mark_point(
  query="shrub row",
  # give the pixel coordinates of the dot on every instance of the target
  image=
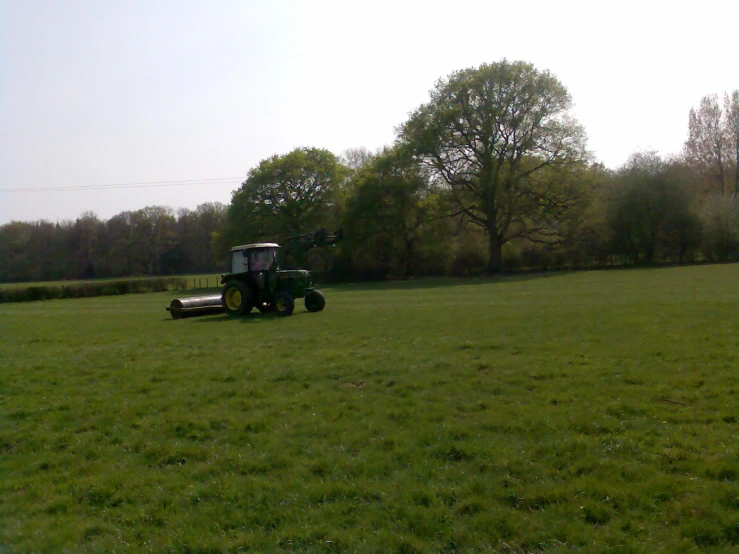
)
(87, 290)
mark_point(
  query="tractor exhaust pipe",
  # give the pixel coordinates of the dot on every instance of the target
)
(195, 306)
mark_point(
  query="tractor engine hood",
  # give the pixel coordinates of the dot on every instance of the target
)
(293, 274)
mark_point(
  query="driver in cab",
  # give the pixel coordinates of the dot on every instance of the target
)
(262, 260)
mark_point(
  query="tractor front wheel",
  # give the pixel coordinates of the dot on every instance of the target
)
(314, 301)
(284, 303)
(236, 298)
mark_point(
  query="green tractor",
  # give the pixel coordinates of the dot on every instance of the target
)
(261, 278)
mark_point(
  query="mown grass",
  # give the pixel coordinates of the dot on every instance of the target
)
(591, 412)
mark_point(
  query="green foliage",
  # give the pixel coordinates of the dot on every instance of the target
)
(198, 239)
(470, 252)
(391, 219)
(713, 142)
(150, 241)
(286, 195)
(589, 411)
(650, 210)
(720, 217)
(499, 138)
(90, 289)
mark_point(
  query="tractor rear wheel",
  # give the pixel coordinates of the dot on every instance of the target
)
(314, 301)
(284, 303)
(236, 298)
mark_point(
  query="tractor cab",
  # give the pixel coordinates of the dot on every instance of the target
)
(256, 281)
(260, 256)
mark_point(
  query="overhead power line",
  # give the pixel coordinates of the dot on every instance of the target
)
(190, 182)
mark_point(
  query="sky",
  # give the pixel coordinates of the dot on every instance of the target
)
(181, 98)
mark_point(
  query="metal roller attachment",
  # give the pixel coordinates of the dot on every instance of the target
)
(195, 306)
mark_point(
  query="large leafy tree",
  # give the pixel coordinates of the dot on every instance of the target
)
(500, 138)
(720, 218)
(195, 232)
(152, 236)
(285, 195)
(388, 213)
(650, 209)
(731, 107)
(713, 141)
(84, 237)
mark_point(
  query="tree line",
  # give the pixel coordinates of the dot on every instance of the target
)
(491, 174)
(151, 241)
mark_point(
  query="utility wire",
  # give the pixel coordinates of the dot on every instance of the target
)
(190, 182)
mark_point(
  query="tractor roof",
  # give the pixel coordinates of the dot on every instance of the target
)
(255, 245)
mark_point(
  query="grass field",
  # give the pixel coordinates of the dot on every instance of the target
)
(593, 411)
